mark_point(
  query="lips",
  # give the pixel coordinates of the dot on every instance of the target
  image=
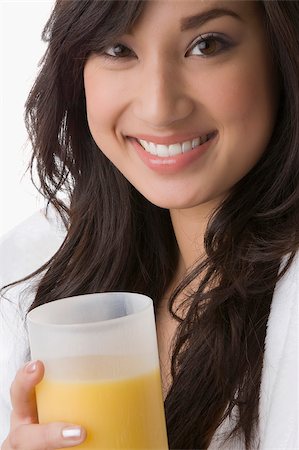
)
(173, 139)
(175, 162)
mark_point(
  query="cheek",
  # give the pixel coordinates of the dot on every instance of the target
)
(243, 101)
(100, 106)
(104, 101)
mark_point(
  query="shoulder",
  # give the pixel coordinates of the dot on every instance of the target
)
(284, 316)
(22, 251)
(279, 402)
(284, 309)
(29, 245)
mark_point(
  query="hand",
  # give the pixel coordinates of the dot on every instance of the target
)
(25, 432)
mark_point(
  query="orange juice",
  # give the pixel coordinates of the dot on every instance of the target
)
(119, 413)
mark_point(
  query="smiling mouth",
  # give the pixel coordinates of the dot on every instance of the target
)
(165, 151)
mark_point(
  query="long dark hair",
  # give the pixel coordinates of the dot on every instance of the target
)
(117, 240)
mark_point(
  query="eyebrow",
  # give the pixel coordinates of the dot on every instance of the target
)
(199, 19)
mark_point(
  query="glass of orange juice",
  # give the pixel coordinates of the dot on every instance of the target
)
(101, 369)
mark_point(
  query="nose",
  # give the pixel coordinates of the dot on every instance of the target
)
(161, 99)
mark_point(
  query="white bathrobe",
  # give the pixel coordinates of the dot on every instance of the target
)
(32, 243)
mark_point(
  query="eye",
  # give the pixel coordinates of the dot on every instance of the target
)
(209, 45)
(118, 51)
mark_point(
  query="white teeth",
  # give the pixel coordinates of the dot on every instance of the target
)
(196, 142)
(186, 146)
(162, 150)
(173, 149)
(152, 148)
(144, 145)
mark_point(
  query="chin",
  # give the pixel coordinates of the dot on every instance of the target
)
(175, 202)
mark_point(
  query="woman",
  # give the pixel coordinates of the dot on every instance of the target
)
(173, 127)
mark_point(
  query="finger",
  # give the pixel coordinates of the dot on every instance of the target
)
(51, 436)
(23, 392)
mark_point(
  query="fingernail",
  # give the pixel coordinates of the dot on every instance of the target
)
(72, 432)
(31, 366)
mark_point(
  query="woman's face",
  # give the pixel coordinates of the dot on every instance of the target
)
(188, 71)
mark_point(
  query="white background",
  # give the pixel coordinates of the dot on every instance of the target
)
(21, 48)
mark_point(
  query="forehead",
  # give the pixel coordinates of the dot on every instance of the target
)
(177, 12)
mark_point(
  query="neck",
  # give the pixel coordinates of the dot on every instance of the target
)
(189, 227)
